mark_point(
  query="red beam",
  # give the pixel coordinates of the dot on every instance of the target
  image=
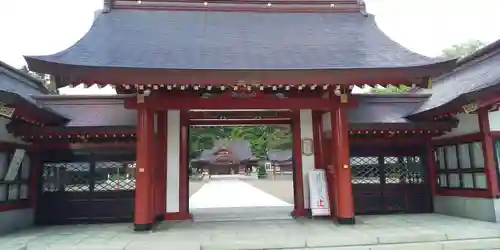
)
(213, 122)
(458, 139)
(14, 205)
(237, 115)
(465, 193)
(489, 99)
(387, 141)
(7, 146)
(63, 145)
(228, 104)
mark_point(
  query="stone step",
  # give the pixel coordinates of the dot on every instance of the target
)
(474, 244)
(241, 214)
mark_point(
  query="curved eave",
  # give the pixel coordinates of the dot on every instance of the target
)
(232, 42)
(75, 74)
(64, 132)
(455, 106)
(29, 110)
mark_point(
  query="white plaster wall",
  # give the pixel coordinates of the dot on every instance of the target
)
(306, 132)
(494, 118)
(5, 136)
(173, 160)
(468, 123)
(327, 122)
(16, 219)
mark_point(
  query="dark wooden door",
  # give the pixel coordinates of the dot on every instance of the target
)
(87, 189)
(390, 184)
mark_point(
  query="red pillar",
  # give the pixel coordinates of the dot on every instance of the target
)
(184, 165)
(153, 164)
(340, 161)
(160, 174)
(488, 152)
(317, 140)
(298, 187)
(36, 167)
(143, 217)
(431, 162)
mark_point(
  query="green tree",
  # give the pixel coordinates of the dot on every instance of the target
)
(392, 90)
(462, 49)
(456, 51)
(48, 81)
(261, 138)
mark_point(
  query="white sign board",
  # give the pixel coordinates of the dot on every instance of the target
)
(318, 193)
(14, 165)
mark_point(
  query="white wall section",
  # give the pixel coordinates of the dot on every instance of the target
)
(468, 124)
(327, 122)
(494, 118)
(173, 160)
(306, 132)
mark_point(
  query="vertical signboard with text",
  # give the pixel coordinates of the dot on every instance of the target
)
(318, 193)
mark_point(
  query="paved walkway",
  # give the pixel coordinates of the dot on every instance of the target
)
(231, 198)
(232, 193)
(405, 232)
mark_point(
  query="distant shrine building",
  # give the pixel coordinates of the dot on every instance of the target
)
(175, 64)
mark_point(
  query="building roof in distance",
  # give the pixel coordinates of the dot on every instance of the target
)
(475, 74)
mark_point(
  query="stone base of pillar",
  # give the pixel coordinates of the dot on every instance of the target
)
(159, 218)
(143, 227)
(299, 213)
(346, 221)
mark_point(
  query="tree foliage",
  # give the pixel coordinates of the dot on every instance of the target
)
(50, 85)
(262, 138)
(462, 49)
(392, 90)
(456, 51)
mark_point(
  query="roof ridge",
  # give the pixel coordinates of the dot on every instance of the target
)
(241, 5)
(472, 61)
(25, 76)
(479, 53)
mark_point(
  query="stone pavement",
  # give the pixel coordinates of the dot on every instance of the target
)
(232, 198)
(232, 193)
(406, 232)
(242, 214)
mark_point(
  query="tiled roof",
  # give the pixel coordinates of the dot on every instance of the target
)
(18, 82)
(477, 72)
(17, 89)
(91, 111)
(235, 40)
(389, 111)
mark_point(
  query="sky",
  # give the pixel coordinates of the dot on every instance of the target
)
(38, 27)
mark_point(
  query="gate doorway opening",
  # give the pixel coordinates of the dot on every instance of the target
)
(243, 172)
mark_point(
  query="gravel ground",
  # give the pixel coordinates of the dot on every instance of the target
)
(194, 186)
(281, 188)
